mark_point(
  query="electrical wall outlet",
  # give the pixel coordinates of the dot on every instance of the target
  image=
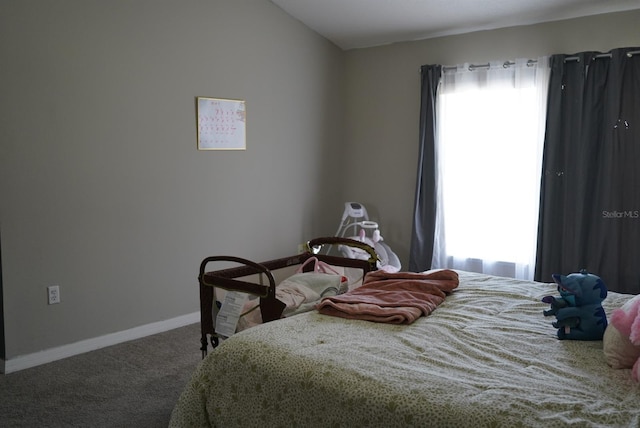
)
(54, 294)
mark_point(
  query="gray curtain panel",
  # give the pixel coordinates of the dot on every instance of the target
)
(590, 187)
(424, 213)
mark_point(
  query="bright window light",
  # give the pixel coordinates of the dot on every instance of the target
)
(490, 175)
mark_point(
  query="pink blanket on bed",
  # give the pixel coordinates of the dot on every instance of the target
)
(397, 298)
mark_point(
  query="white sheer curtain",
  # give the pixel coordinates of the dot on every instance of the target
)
(489, 139)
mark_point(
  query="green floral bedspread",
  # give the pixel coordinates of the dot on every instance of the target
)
(486, 356)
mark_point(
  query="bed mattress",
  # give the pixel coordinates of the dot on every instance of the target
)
(486, 355)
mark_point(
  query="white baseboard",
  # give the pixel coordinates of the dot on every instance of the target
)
(49, 355)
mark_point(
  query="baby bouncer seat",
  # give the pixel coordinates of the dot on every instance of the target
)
(356, 225)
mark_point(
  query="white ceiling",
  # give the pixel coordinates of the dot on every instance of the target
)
(365, 23)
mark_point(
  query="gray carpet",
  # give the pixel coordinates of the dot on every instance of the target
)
(133, 384)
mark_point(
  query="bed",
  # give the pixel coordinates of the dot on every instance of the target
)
(485, 356)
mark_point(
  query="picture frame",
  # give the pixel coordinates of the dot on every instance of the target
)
(221, 123)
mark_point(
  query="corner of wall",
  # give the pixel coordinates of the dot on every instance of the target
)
(2, 345)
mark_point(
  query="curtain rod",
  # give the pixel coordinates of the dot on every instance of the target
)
(472, 67)
(604, 55)
(531, 62)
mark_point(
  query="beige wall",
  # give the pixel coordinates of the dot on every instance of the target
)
(383, 101)
(102, 190)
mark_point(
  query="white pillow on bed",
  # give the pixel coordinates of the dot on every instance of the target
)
(619, 352)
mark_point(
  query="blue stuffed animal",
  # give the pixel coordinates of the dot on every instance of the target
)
(578, 310)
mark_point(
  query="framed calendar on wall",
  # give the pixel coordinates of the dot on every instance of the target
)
(221, 124)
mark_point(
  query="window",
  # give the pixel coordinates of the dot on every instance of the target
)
(490, 133)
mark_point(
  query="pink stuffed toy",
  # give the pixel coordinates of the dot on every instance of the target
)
(621, 341)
